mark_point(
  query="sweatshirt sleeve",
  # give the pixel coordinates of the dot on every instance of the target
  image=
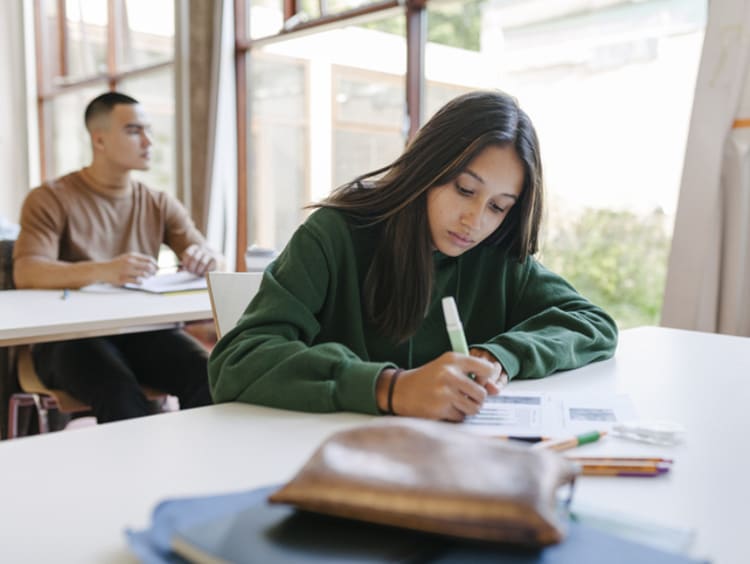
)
(272, 357)
(551, 327)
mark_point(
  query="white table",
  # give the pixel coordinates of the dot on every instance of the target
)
(67, 497)
(34, 316)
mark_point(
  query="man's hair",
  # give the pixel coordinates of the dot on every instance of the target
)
(103, 105)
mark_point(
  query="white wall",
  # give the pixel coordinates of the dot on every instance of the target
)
(14, 127)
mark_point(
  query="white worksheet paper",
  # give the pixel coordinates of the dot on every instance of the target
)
(519, 414)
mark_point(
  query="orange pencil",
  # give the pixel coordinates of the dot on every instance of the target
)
(623, 471)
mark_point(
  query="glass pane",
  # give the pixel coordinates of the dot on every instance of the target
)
(325, 107)
(337, 6)
(148, 33)
(279, 130)
(71, 145)
(309, 9)
(359, 151)
(609, 87)
(264, 17)
(363, 97)
(86, 28)
(155, 91)
(437, 95)
(50, 39)
(368, 120)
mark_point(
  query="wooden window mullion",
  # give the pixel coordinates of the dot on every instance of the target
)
(416, 39)
(62, 38)
(45, 141)
(240, 69)
(113, 22)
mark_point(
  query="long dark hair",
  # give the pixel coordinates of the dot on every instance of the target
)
(398, 284)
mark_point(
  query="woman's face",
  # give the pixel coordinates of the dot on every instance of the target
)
(465, 211)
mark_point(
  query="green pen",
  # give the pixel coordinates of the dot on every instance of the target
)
(455, 329)
(571, 442)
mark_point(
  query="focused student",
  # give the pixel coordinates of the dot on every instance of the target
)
(349, 316)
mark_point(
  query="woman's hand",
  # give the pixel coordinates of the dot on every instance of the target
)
(493, 387)
(441, 389)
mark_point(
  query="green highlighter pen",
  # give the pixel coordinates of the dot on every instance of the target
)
(455, 329)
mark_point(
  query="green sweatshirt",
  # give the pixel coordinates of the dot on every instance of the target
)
(305, 343)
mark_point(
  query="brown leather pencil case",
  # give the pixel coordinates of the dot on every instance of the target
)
(437, 478)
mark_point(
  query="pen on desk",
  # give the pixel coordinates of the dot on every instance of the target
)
(619, 459)
(455, 329)
(65, 294)
(524, 439)
(572, 442)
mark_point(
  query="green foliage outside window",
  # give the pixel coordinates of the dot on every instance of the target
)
(617, 259)
(455, 24)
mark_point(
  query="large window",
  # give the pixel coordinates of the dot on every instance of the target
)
(86, 47)
(319, 115)
(367, 121)
(609, 89)
(608, 84)
(279, 145)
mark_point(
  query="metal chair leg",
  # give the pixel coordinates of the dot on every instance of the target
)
(41, 410)
(17, 401)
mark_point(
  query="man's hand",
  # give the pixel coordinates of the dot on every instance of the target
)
(198, 260)
(128, 268)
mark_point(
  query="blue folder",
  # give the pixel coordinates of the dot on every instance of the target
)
(245, 529)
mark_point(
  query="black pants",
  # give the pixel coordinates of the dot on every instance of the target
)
(106, 372)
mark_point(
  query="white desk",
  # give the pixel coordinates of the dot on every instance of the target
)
(67, 497)
(34, 316)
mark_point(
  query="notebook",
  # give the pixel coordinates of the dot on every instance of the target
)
(245, 529)
(276, 534)
(182, 281)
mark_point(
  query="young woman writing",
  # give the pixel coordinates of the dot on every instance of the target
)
(349, 316)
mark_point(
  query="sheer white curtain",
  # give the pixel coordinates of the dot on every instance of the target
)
(206, 82)
(222, 209)
(708, 281)
(17, 133)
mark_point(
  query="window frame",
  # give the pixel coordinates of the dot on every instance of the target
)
(416, 38)
(47, 91)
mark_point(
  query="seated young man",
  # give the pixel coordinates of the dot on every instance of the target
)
(97, 224)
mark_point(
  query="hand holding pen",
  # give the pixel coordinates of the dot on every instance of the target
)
(439, 389)
(458, 343)
(494, 387)
(127, 268)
